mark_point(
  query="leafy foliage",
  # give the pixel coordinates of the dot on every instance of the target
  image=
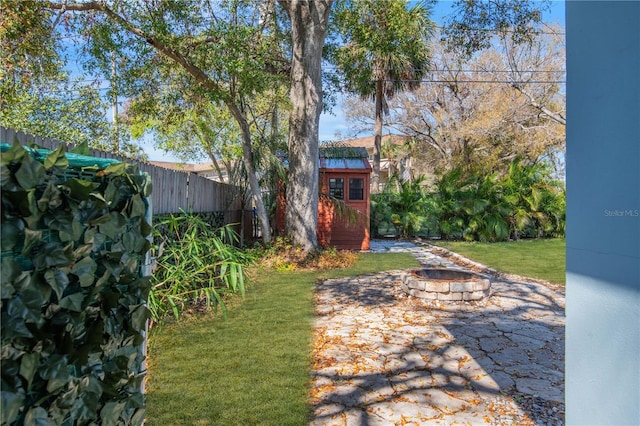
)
(29, 52)
(482, 111)
(474, 23)
(404, 205)
(384, 50)
(73, 298)
(196, 264)
(382, 41)
(475, 205)
(72, 113)
(538, 202)
(172, 57)
(471, 206)
(37, 95)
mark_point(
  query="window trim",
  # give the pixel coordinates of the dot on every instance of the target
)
(360, 188)
(342, 188)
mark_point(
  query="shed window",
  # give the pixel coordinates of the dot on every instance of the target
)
(336, 188)
(356, 189)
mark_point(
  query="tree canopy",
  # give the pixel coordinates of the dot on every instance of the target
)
(382, 48)
(485, 110)
(37, 93)
(475, 23)
(207, 53)
(188, 67)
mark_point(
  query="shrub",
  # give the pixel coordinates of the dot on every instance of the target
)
(196, 264)
(474, 205)
(73, 298)
(488, 207)
(403, 205)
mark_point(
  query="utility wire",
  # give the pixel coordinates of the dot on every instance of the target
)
(329, 68)
(478, 81)
(104, 89)
(488, 30)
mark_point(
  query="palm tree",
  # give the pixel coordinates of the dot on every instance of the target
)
(384, 50)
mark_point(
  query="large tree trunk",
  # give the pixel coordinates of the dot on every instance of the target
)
(377, 140)
(309, 21)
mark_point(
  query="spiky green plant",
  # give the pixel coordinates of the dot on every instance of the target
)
(536, 200)
(403, 205)
(474, 205)
(195, 264)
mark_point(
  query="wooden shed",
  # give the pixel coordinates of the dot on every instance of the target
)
(344, 204)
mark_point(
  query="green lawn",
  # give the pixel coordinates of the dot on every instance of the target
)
(252, 367)
(540, 258)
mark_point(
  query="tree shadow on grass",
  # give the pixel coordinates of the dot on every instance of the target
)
(381, 357)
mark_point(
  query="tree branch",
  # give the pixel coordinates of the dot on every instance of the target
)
(557, 117)
(200, 76)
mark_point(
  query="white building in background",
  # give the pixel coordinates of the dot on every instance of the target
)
(205, 169)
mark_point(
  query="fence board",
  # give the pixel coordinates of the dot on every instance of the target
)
(172, 190)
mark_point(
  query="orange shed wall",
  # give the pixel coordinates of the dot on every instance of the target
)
(333, 230)
(336, 231)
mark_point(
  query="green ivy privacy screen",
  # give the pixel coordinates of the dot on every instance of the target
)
(75, 241)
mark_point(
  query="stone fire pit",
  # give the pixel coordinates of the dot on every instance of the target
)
(446, 284)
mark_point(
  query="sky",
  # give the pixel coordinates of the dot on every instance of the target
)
(334, 122)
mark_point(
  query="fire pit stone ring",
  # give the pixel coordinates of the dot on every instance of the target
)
(446, 284)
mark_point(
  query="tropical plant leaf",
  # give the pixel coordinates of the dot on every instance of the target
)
(32, 238)
(111, 413)
(51, 198)
(138, 207)
(53, 255)
(30, 173)
(56, 160)
(139, 316)
(114, 227)
(55, 372)
(58, 280)
(10, 235)
(81, 149)
(80, 189)
(85, 271)
(73, 302)
(38, 416)
(12, 402)
(28, 366)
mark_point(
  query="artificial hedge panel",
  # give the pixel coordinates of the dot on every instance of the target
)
(73, 297)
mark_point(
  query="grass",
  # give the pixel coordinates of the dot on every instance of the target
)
(252, 367)
(541, 258)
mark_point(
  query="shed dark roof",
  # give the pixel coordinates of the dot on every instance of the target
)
(344, 157)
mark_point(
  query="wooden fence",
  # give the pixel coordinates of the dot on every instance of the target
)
(172, 190)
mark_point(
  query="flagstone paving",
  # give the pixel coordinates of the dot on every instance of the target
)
(384, 358)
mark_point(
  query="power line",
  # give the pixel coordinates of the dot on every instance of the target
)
(477, 81)
(439, 27)
(69, 35)
(100, 80)
(334, 67)
(54, 92)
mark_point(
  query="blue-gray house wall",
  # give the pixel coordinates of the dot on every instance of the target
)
(603, 213)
